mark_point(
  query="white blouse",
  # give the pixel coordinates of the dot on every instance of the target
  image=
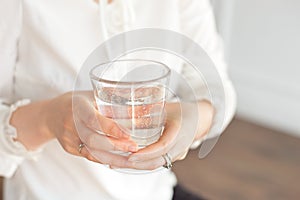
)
(42, 47)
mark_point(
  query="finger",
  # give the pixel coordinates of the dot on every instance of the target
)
(112, 159)
(159, 161)
(149, 164)
(182, 155)
(70, 141)
(85, 112)
(107, 126)
(162, 146)
(72, 147)
(86, 154)
(97, 141)
(102, 142)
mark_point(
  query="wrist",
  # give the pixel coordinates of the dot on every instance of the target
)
(29, 122)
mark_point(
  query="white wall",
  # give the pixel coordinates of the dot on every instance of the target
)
(262, 39)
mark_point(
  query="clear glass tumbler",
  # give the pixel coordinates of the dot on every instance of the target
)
(133, 93)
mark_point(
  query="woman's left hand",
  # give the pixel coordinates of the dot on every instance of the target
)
(185, 123)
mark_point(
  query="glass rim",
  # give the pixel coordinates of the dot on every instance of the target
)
(94, 77)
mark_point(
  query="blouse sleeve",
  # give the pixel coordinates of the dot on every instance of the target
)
(198, 23)
(12, 153)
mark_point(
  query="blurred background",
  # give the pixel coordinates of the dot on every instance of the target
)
(258, 156)
(262, 50)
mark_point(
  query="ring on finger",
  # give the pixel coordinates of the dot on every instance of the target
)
(81, 145)
(167, 158)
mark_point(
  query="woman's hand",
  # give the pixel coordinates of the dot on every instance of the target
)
(71, 126)
(182, 127)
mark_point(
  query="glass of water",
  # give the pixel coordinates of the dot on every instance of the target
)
(133, 92)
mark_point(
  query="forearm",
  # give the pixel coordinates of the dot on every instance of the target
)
(29, 121)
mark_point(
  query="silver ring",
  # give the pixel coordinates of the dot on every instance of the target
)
(81, 145)
(168, 160)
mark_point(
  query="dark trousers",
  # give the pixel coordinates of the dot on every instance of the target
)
(180, 193)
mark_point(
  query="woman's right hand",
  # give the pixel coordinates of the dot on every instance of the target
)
(73, 119)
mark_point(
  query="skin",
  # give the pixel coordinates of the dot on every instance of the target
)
(39, 122)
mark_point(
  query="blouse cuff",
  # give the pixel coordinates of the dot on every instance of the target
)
(8, 144)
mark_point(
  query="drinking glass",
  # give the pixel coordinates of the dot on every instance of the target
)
(132, 92)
